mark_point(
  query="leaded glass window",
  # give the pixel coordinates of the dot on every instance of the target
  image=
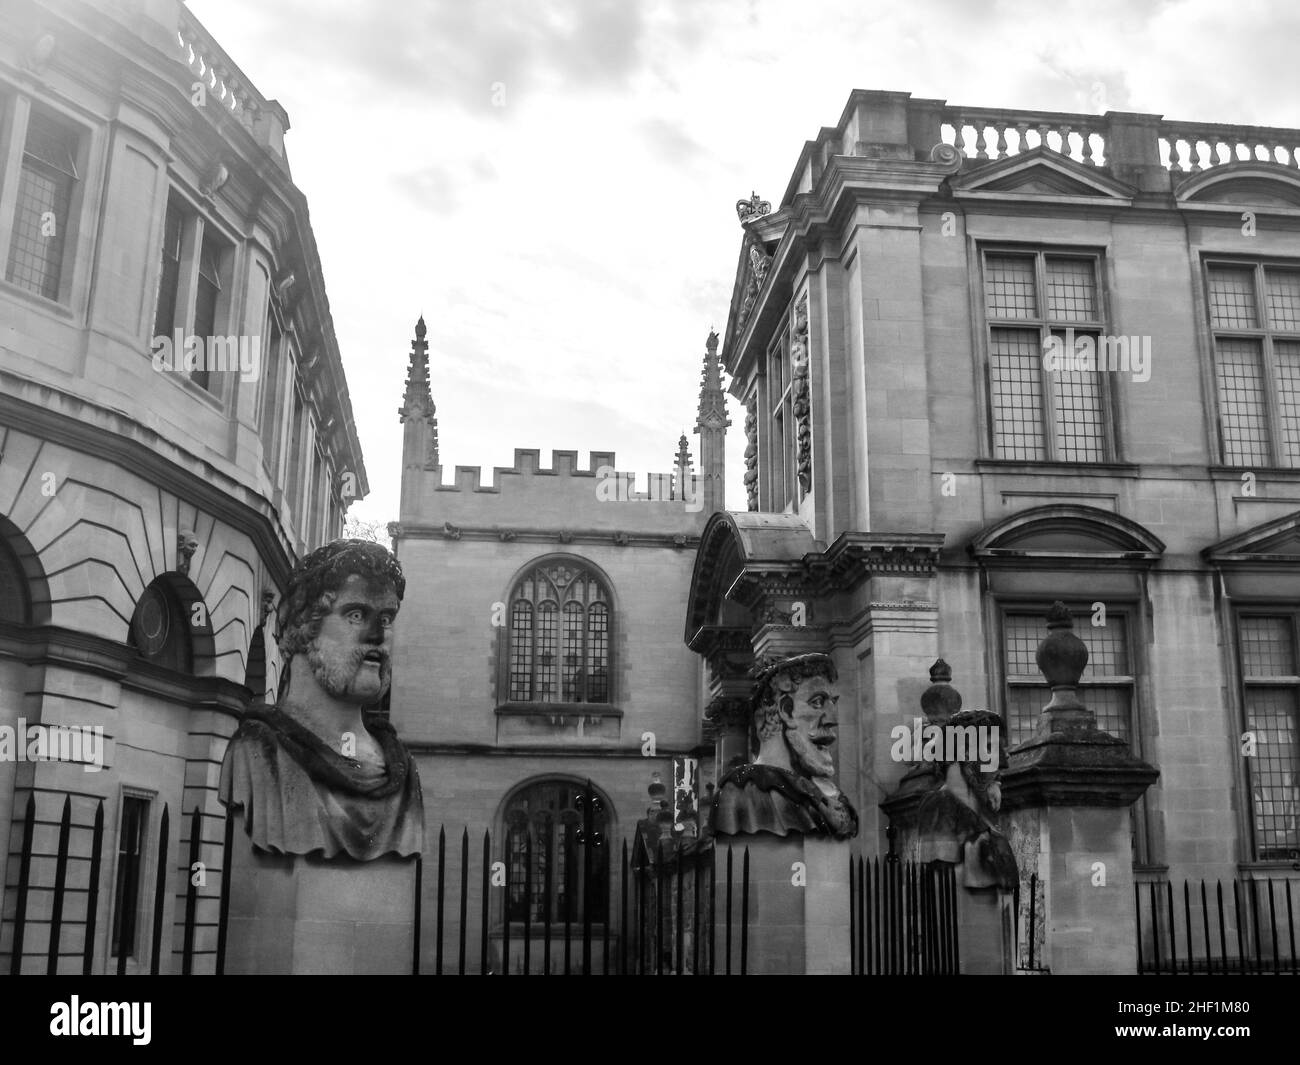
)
(42, 217)
(1255, 322)
(1271, 682)
(546, 841)
(1039, 413)
(559, 649)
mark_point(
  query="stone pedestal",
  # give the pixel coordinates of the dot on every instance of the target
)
(305, 915)
(798, 904)
(1090, 923)
(985, 931)
(1068, 792)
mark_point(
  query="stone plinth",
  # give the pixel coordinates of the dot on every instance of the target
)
(1071, 786)
(986, 933)
(1086, 855)
(798, 904)
(305, 915)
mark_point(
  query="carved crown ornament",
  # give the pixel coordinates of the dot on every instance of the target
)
(753, 208)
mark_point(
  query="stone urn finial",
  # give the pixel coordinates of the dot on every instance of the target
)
(940, 700)
(1062, 657)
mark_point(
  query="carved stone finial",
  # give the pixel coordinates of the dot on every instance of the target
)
(752, 208)
(1062, 656)
(941, 700)
(712, 343)
(421, 330)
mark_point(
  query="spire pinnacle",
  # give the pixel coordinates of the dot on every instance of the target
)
(417, 401)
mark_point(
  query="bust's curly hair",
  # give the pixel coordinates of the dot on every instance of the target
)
(314, 584)
(775, 680)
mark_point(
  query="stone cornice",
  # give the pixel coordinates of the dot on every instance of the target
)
(83, 652)
(531, 535)
(855, 556)
(1078, 766)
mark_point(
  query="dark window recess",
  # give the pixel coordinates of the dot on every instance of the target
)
(130, 859)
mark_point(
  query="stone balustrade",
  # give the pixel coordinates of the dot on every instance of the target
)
(1197, 146)
(227, 86)
(989, 134)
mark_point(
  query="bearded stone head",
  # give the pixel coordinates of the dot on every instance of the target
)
(337, 614)
(796, 717)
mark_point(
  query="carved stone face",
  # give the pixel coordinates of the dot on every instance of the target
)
(186, 544)
(811, 727)
(350, 657)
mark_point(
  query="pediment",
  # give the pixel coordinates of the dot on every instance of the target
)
(1274, 541)
(1067, 531)
(1255, 184)
(1041, 172)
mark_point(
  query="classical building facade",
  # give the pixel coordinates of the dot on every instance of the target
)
(993, 359)
(539, 652)
(175, 431)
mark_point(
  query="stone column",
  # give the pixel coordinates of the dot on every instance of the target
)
(1068, 791)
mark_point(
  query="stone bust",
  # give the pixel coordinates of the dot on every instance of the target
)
(790, 785)
(317, 773)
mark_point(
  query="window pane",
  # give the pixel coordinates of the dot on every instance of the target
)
(1071, 290)
(205, 304)
(1024, 704)
(521, 651)
(126, 890)
(170, 275)
(1287, 353)
(1282, 294)
(1267, 647)
(573, 673)
(598, 652)
(547, 667)
(1111, 705)
(1107, 647)
(1009, 286)
(1080, 424)
(1017, 394)
(42, 216)
(1232, 297)
(1241, 402)
(1271, 715)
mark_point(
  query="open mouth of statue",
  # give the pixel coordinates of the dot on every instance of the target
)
(374, 657)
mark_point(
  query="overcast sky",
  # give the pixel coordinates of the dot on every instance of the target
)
(552, 182)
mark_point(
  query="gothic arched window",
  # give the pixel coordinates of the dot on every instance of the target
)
(559, 636)
(549, 820)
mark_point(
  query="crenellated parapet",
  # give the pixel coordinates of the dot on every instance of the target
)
(566, 497)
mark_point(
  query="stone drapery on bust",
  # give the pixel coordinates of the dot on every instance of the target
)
(317, 773)
(955, 818)
(790, 786)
